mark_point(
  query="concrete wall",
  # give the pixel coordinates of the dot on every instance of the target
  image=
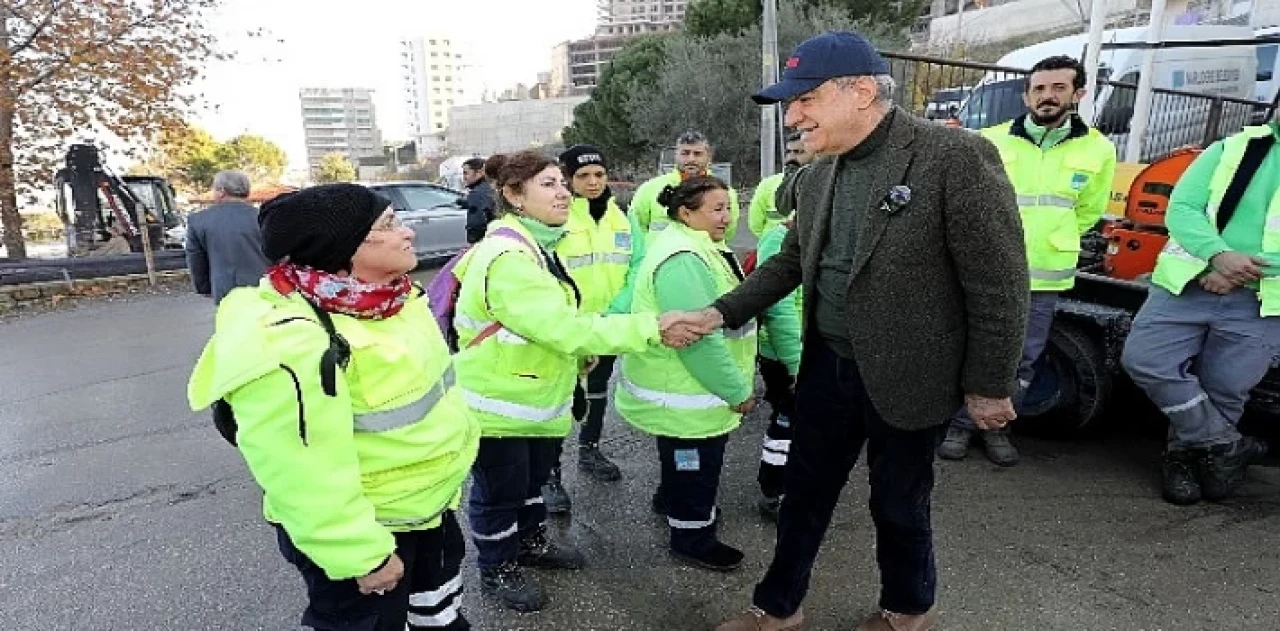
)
(490, 128)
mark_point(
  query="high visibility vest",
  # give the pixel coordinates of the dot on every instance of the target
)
(763, 214)
(1175, 267)
(397, 425)
(1047, 183)
(653, 216)
(516, 388)
(596, 254)
(657, 394)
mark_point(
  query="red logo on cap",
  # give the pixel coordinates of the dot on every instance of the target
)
(792, 63)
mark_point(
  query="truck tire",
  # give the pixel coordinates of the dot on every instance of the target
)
(1072, 383)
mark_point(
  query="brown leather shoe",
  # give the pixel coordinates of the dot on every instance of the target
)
(754, 619)
(889, 621)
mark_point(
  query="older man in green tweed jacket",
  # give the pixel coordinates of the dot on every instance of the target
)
(909, 249)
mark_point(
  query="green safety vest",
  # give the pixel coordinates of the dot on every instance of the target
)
(763, 214)
(1175, 267)
(596, 254)
(389, 452)
(653, 216)
(517, 388)
(657, 394)
(1048, 183)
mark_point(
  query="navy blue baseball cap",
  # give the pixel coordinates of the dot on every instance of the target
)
(817, 59)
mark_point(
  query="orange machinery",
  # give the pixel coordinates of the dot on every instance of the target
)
(1134, 241)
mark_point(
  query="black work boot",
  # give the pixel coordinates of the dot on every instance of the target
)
(596, 465)
(555, 496)
(1180, 476)
(1225, 466)
(956, 445)
(999, 449)
(769, 508)
(537, 550)
(509, 585)
(717, 557)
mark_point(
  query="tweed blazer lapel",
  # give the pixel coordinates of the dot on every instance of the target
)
(895, 160)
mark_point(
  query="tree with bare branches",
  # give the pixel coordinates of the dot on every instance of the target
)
(79, 69)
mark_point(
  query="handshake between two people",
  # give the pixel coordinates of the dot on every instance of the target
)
(681, 329)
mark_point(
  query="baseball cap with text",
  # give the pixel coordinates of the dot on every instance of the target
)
(818, 59)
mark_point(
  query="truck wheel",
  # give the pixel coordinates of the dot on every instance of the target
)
(1071, 386)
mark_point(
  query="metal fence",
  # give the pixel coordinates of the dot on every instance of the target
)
(976, 95)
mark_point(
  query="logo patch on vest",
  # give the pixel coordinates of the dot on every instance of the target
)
(1078, 180)
(622, 240)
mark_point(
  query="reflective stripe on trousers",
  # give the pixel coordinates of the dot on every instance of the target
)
(404, 416)
(775, 452)
(529, 413)
(673, 400)
(685, 524)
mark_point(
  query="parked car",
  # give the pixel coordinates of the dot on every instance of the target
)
(439, 223)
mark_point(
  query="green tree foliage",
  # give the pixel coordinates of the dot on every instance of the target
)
(335, 167)
(704, 84)
(604, 120)
(259, 158)
(706, 18)
(189, 158)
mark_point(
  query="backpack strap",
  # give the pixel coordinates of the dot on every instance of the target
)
(1255, 152)
(549, 260)
(338, 353)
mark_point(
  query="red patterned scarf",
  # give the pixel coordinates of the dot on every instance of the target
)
(341, 294)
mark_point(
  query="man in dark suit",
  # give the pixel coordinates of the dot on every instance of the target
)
(909, 248)
(224, 245)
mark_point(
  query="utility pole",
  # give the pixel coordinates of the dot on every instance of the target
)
(1097, 24)
(1142, 105)
(769, 76)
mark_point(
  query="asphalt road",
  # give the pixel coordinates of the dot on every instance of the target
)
(120, 509)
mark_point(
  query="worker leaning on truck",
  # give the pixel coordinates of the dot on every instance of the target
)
(1061, 170)
(1211, 324)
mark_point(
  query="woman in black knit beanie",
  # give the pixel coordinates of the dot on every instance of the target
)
(341, 398)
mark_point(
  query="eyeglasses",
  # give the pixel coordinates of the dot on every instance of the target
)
(387, 225)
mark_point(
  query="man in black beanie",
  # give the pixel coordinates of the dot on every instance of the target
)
(319, 227)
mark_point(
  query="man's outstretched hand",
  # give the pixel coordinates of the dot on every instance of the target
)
(683, 328)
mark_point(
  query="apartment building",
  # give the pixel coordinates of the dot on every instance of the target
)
(339, 120)
(576, 65)
(433, 75)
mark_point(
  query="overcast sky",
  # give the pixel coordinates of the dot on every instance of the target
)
(339, 43)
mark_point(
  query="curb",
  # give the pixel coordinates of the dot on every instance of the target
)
(13, 297)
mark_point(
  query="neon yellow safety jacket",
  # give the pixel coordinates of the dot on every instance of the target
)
(340, 473)
(519, 381)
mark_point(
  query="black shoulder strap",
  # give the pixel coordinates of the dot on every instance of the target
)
(1254, 154)
(557, 269)
(339, 353)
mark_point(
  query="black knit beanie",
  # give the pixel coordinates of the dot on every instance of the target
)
(579, 156)
(321, 226)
